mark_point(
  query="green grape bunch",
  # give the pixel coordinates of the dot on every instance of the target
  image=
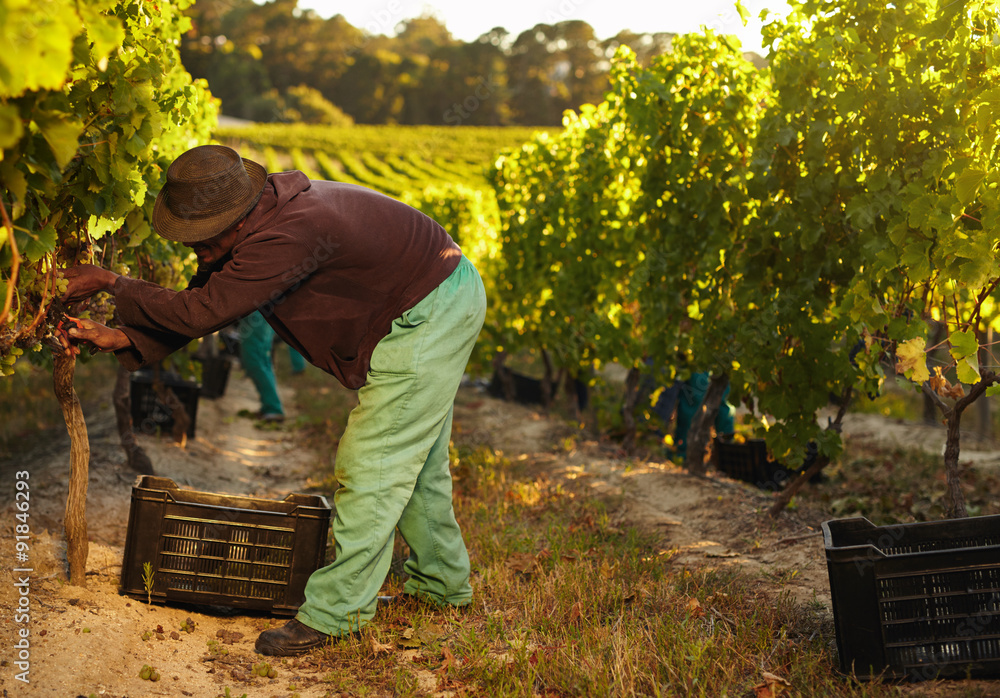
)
(94, 109)
(99, 308)
(62, 284)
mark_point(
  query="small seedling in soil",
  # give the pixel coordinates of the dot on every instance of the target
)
(147, 636)
(227, 694)
(148, 673)
(215, 648)
(188, 626)
(147, 580)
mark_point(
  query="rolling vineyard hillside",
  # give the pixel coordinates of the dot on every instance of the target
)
(443, 171)
(392, 159)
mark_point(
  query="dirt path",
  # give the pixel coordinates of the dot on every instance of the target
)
(710, 520)
(91, 640)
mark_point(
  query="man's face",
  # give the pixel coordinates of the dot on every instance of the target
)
(212, 250)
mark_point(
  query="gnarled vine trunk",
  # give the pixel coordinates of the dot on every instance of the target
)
(629, 402)
(696, 458)
(793, 487)
(75, 521)
(134, 453)
(953, 421)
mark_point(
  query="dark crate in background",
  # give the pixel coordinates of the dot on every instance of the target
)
(750, 462)
(149, 414)
(214, 375)
(917, 601)
(223, 550)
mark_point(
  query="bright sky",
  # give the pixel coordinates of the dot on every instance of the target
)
(467, 20)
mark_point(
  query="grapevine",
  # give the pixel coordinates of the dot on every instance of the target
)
(761, 226)
(94, 104)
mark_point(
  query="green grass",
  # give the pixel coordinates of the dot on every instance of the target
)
(568, 604)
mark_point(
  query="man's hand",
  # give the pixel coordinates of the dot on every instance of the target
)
(102, 337)
(84, 280)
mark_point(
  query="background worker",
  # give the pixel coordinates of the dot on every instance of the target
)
(257, 341)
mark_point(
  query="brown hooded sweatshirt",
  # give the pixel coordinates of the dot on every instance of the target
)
(329, 265)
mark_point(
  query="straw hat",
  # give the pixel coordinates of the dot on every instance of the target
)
(208, 189)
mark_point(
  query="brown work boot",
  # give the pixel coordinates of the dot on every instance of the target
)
(290, 639)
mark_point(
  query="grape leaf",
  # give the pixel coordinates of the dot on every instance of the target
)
(38, 45)
(968, 369)
(967, 184)
(11, 128)
(62, 133)
(963, 344)
(911, 360)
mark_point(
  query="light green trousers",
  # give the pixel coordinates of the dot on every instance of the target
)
(392, 464)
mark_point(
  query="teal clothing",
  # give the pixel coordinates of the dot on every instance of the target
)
(256, 347)
(393, 466)
(692, 394)
(297, 360)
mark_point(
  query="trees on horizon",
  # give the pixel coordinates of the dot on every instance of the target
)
(253, 56)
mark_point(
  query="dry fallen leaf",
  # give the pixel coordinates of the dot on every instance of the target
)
(521, 563)
(408, 640)
(608, 571)
(773, 686)
(693, 607)
(449, 660)
(380, 647)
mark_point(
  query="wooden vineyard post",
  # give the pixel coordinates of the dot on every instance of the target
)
(76, 500)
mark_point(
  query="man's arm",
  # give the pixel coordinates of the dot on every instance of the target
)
(133, 347)
(102, 337)
(86, 280)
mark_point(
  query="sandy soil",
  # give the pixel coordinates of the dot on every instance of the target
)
(90, 640)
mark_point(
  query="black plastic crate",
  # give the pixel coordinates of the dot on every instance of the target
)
(917, 601)
(747, 461)
(149, 414)
(223, 550)
(214, 375)
(750, 462)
